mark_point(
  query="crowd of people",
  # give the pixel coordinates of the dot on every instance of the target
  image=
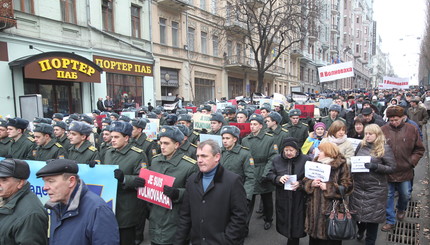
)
(215, 186)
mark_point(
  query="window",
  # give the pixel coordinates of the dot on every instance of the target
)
(357, 48)
(358, 34)
(205, 90)
(203, 4)
(175, 31)
(190, 36)
(213, 6)
(26, 6)
(229, 48)
(162, 31)
(121, 86)
(68, 11)
(358, 20)
(107, 15)
(204, 42)
(215, 43)
(135, 21)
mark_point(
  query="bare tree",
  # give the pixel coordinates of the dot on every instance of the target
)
(273, 27)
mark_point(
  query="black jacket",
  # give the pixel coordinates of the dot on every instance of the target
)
(218, 215)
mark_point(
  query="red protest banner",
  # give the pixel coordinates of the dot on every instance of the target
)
(153, 190)
(99, 119)
(233, 101)
(194, 108)
(245, 128)
(307, 110)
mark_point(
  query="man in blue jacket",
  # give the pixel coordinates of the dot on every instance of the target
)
(78, 216)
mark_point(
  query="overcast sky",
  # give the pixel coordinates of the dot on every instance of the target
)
(401, 19)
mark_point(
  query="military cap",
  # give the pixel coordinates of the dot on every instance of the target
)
(181, 111)
(17, 122)
(243, 111)
(210, 102)
(74, 117)
(184, 129)
(121, 127)
(106, 128)
(57, 167)
(335, 107)
(97, 112)
(113, 114)
(39, 120)
(366, 111)
(58, 116)
(206, 107)
(43, 128)
(184, 117)
(106, 120)
(69, 121)
(124, 118)
(172, 132)
(157, 111)
(266, 107)
(275, 117)
(139, 123)
(257, 117)
(80, 127)
(242, 103)
(14, 168)
(230, 110)
(151, 115)
(171, 119)
(60, 124)
(3, 123)
(217, 117)
(86, 118)
(233, 130)
(295, 112)
(47, 120)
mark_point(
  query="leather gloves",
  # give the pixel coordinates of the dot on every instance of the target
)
(119, 175)
(171, 192)
(371, 165)
(92, 163)
(138, 182)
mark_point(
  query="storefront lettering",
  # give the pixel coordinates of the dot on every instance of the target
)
(123, 66)
(64, 63)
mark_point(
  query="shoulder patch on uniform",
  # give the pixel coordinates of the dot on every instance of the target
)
(285, 130)
(305, 124)
(269, 134)
(58, 145)
(30, 139)
(284, 125)
(149, 140)
(92, 148)
(144, 165)
(136, 149)
(251, 161)
(154, 152)
(244, 147)
(189, 159)
(193, 145)
(154, 156)
(196, 133)
(275, 147)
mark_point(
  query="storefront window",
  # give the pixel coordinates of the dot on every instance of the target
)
(126, 91)
(205, 90)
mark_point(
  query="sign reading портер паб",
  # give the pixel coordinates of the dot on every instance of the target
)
(123, 66)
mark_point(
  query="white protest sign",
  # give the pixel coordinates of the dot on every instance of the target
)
(221, 106)
(216, 138)
(354, 142)
(336, 71)
(169, 107)
(315, 170)
(291, 179)
(357, 164)
(394, 82)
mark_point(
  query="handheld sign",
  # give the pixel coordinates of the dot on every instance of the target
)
(153, 190)
(307, 110)
(290, 181)
(152, 128)
(355, 142)
(194, 108)
(245, 128)
(99, 119)
(357, 164)
(202, 121)
(314, 170)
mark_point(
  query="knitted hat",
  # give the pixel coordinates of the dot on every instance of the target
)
(319, 124)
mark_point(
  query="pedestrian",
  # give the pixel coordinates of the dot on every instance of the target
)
(313, 141)
(297, 129)
(78, 215)
(321, 194)
(100, 104)
(82, 150)
(369, 199)
(408, 149)
(356, 130)
(417, 113)
(47, 148)
(23, 220)
(371, 117)
(337, 135)
(21, 145)
(214, 208)
(290, 204)
(5, 141)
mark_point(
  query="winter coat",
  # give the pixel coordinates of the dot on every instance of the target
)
(408, 149)
(345, 147)
(311, 143)
(418, 114)
(290, 205)
(320, 202)
(215, 216)
(23, 220)
(369, 199)
(86, 220)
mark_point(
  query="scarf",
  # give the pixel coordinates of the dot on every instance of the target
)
(326, 160)
(337, 141)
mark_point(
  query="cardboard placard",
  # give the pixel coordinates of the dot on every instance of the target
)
(194, 108)
(307, 110)
(152, 128)
(202, 121)
(153, 190)
(315, 170)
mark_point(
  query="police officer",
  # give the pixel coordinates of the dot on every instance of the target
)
(273, 121)
(217, 121)
(140, 140)
(162, 221)
(21, 145)
(106, 142)
(82, 150)
(193, 136)
(130, 160)
(5, 141)
(333, 115)
(47, 148)
(189, 149)
(263, 149)
(60, 134)
(297, 129)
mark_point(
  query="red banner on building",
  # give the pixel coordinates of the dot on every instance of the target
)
(307, 110)
(153, 190)
(245, 128)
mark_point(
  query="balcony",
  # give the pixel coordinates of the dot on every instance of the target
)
(239, 61)
(334, 9)
(296, 53)
(7, 19)
(334, 29)
(306, 58)
(254, 3)
(235, 26)
(180, 5)
(312, 36)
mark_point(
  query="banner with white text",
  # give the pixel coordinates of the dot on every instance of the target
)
(394, 82)
(336, 71)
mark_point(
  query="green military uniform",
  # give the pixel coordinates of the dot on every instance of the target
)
(279, 134)
(163, 121)
(215, 133)
(4, 146)
(239, 161)
(194, 137)
(328, 121)
(147, 145)
(87, 152)
(65, 142)
(189, 149)
(52, 150)
(102, 150)
(21, 148)
(300, 131)
(163, 221)
(263, 149)
(130, 160)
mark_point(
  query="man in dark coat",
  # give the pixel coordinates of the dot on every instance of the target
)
(217, 199)
(5, 141)
(100, 105)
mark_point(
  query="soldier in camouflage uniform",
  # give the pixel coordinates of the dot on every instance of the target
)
(82, 150)
(47, 148)
(5, 141)
(297, 129)
(273, 121)
(21, 145)
(60, 134)
(189, 149)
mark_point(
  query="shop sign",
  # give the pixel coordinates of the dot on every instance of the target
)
(123, 66)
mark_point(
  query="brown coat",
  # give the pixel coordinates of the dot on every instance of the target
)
(418, 115)
(408, 149)
(320, 202)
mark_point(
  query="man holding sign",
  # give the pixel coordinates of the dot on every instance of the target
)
(171, 162)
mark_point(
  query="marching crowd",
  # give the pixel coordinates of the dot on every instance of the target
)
(215, 187)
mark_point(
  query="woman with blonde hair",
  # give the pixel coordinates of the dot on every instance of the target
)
(321, 194)
(369, 198)
(337, 135)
